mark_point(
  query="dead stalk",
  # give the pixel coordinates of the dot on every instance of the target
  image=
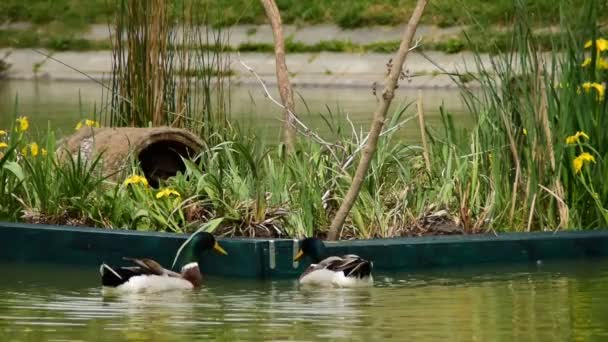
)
(545, 120)
(377, 122)
(515, 156)
(425, 152)
(558, 194)
(289, 131)
(531, 212)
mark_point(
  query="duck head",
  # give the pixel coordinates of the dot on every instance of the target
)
(203, 242)
(196, 246)
(312, 247)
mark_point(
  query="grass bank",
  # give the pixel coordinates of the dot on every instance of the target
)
(347, 14)
(480, 40)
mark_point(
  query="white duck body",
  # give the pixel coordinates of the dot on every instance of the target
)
(148, 279)
(346, 271)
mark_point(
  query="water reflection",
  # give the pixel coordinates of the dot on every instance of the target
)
(552, 302)
(64, 103)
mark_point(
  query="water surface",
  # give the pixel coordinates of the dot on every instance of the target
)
(545, 302)
(64, 103)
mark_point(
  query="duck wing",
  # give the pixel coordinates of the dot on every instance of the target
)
(153, 267)
(114, 276)
(352, 265)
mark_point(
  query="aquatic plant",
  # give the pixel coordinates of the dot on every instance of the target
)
(522, 165)
(168, 72)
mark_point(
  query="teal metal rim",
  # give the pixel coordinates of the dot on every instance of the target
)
(273, 258)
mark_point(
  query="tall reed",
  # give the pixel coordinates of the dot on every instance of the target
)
(166, 70)
(516, 169)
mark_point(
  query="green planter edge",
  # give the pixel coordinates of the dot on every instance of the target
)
(268, 258)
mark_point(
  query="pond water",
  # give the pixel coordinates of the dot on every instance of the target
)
(64, 103)
(544, 302)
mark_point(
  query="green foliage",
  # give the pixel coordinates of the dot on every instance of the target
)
(348, 14)
(515, 169)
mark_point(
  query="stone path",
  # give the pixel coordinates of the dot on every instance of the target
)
(307, 69)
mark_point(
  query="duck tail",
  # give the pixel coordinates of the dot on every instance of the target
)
(362, 269)
(109, 277)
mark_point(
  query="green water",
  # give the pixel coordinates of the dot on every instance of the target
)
(64, 103)
(546, 302)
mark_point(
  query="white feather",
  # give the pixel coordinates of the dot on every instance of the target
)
(319, 277)
(104, 266)
(341, 280)
(154, 283)
(325, 277)
(189, 266)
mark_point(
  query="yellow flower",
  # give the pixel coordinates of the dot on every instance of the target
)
(166, 193)
(587, 62)
(34, 149)
(578, 162)
(2, 132)
(24, 124)
(91, 123)
(88, 123)
(3, 145)
(573, 139)
(136, 179)
(597, 86)
(600, 44)
(30, 148)
(600, 63)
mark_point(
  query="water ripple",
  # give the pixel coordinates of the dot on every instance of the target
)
(562, 302)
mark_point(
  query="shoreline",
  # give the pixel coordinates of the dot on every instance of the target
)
(326, 69)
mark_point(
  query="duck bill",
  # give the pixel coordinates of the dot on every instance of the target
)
(219, 249)
(298, 256)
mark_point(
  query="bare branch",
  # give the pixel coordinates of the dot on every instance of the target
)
(285, 90)
(295, 122)
(378, 121)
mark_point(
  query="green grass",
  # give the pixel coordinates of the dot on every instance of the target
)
(487, 41)
(349, 14)
(58, 42)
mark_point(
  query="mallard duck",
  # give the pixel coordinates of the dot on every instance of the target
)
(343, 271)
(150, 276)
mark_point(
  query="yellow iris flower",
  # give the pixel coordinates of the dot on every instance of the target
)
(24, 124)
(88, 123)
(3, 145)
(600, 44)
(600, 88)
(30, 148)
(573, 139)
(579, 161)
(136, 179)
(600, 63)
(166, 193)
